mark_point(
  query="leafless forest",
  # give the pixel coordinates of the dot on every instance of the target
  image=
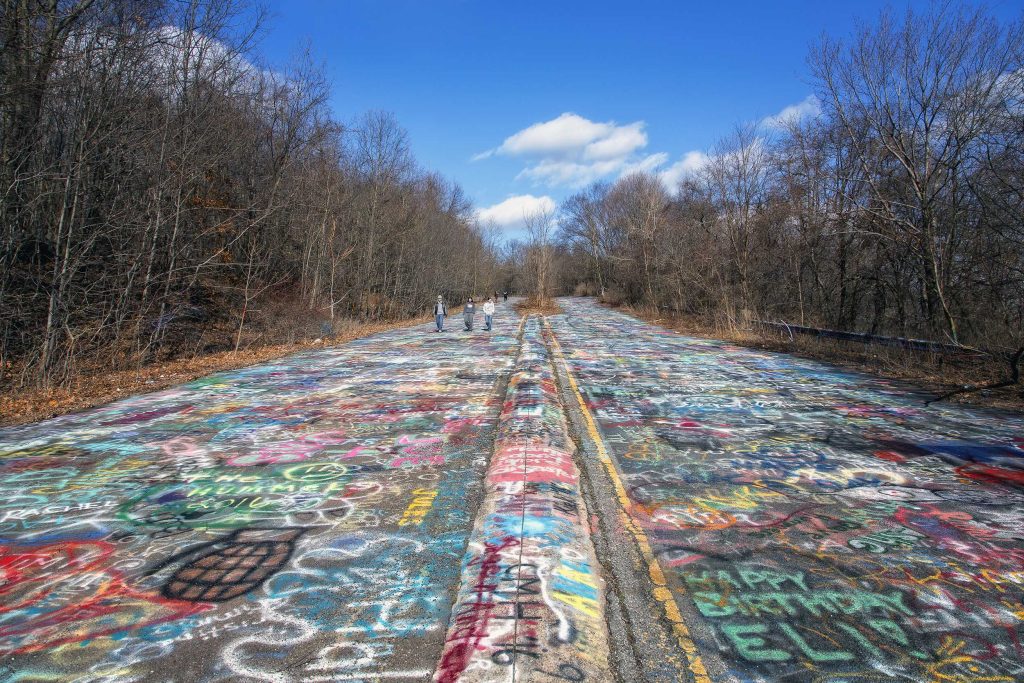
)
(897, 211)
(158, 182)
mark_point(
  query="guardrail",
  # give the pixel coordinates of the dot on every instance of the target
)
(862, 337)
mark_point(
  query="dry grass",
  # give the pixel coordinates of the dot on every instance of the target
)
(534, 306)
(934, 373)
(98, 387)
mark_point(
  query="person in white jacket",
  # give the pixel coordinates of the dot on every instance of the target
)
(488, 314)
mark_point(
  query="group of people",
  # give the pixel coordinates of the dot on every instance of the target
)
(468, 312)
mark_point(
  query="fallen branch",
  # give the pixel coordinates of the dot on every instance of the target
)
(1013, 379)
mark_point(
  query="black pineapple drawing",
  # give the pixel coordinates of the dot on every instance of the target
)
(230, 566)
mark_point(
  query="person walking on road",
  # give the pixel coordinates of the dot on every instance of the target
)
(440, 311)
(488, 314)
(467, 314)
(506, 296)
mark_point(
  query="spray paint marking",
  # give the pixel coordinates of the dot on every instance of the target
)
(530, 602)
(804, 555)
(300, 520)
(661, 591)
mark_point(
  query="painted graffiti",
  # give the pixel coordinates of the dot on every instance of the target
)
(530, 606)
(308, 516)
(229, 567)
(813, 524)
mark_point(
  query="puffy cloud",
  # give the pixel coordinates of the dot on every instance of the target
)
(563, 135)
(809, 107)
(649, 164)
(688, 165)
(694, 161)
(571, 150)
(556, 173)
(618, 143)
(511, 212)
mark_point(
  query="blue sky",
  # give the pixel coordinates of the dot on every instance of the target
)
(648, 84)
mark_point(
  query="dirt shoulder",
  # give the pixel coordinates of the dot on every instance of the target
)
(19, 406)
(935, 374)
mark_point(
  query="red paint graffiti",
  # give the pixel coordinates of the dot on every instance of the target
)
(60, 593)
(472, 617)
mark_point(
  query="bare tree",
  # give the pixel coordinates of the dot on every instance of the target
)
(585, 224)
(540, 228)
(636, 206)
(925, 90)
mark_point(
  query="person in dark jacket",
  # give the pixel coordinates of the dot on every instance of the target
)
(468, 311)
(440, 311)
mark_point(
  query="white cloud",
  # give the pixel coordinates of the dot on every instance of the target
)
(619, 143)
(688, 165)
(511, 212)
(648, 164)
(693, 162)
(566, 134)
(571, 150)
(556, 173)
(809, 107)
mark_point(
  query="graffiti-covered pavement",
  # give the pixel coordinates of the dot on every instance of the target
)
(800, 523)
(304, 520)
(582, 497)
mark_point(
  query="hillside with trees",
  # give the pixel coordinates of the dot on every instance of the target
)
(166, 194)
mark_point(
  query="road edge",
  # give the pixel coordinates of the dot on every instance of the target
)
(630, 572)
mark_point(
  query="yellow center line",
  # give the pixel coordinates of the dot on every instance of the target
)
(661, 591)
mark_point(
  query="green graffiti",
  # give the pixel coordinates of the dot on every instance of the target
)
(817, 656)
(753, 578)
(752, 647)
(817, 603)
(861, 640)
(890, 629)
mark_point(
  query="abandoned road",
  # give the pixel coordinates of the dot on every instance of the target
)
(576, 497)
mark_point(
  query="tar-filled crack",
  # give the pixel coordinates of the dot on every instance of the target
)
(626, 665)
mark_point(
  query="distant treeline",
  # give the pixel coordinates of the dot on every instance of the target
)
(898, 210)
(156, 179)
